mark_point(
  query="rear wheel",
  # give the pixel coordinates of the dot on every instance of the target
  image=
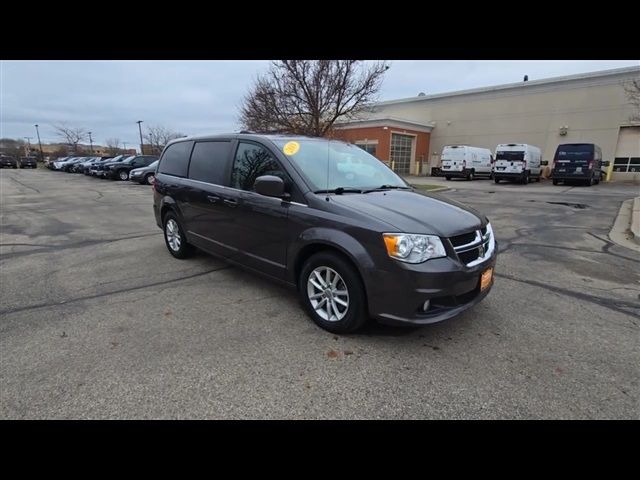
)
(526, 179)
(332, 293)
(448, 178)
(555, 182)
(497, 180)
(174, 237)
(470, 175)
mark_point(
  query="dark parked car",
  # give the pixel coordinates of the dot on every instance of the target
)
(99, 169)
(120, 170)
(580, 162)
(145, 175)
(329, 219)
(7, 161)
(93, 166)
(28, 162)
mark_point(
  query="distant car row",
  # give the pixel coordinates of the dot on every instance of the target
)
(137, 168)
(523, 163)
(7, 161)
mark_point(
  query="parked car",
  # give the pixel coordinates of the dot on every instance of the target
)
(28, 162)
(92, 168)
(59, 164)
(69, 164)
(580, 162)
(120, 170)
(101, 167)
(517, 162)
(355, 245)
(464, 161)
(82, 166)
(144, 174)
(7, 161)
(49, 162)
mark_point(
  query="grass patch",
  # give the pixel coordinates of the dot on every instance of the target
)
(427, 187)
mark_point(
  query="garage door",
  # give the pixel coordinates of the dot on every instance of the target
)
(627, 159)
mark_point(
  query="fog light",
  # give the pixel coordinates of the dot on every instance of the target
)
(425, 306)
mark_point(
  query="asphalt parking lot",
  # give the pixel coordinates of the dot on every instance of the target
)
(97, 320)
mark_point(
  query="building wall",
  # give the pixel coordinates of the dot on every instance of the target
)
(383, 136)
(592, 109)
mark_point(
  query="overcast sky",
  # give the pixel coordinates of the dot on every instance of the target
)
(196, 97)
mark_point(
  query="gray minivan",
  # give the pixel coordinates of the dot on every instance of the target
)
(328, 219)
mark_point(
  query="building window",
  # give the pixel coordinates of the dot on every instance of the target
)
(401, 147)
(634, 164)
(368, 147)
(621, 164)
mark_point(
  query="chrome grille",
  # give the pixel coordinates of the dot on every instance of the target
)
(474, 247)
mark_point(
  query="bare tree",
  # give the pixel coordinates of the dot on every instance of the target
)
(632, 89)
(308, 96)
(12, 147)
(71, 135)
(113, 145)
(158, 136)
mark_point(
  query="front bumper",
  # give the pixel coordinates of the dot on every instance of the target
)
(396, 297)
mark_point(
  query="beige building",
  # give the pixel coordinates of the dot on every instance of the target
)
(589, 108)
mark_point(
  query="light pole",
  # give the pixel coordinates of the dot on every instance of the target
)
(39, 143)
(139, 122)
(124, 148)
(91, 143)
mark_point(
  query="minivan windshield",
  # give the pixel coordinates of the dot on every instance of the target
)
(512, 156)
(334, 165)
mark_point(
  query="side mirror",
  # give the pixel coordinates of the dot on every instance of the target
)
(606, 163)
(544, 163)
(269, 186)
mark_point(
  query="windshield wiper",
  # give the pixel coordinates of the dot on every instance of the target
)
(388, 187)
(340, 190)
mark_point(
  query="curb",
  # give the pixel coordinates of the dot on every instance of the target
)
(635, 220)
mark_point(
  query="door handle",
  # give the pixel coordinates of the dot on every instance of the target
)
(213, 198)
(231, 203)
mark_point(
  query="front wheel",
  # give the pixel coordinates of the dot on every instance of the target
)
(149, 179)
(332, 293)
(497, 180)
(123, 175)
(174, 237)
(555, 182)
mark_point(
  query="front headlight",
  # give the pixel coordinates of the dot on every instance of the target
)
(412, 248)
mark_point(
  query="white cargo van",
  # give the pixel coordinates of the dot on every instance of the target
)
(466, 162)
(517, 161)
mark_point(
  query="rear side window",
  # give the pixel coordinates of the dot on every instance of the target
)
(209, 162)
(175, 160)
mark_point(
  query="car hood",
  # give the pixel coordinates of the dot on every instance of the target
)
(415, 212)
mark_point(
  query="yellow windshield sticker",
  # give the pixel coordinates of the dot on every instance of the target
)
(291, 148)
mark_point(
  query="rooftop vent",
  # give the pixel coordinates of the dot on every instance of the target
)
(422, 94)
(526, 78)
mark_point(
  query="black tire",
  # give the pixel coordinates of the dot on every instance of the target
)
(497, 180)
(599, 179)
(185, 249)
(555, 182)
(356, 315)
(526, 179)
(470, 175)
(123, 175)
(538, 177)
(147, 177)
(448, 178)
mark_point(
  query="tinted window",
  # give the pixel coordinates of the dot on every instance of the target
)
(579, 152)
(209, 162)
(511, 156)
(251, 162)
(175, 159)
